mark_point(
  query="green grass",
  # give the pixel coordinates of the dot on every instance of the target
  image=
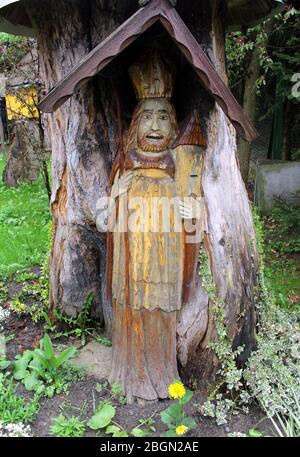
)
(284, 279)
(282, 248)
(24, 225)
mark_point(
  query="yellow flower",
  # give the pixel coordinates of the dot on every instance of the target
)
(181, 430)
(176, 390)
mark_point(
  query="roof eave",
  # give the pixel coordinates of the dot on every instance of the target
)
(15, 29)
(128, 32)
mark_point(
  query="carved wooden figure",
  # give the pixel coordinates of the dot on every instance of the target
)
(148, 259)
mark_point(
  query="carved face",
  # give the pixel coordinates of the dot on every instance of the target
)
(155, 126)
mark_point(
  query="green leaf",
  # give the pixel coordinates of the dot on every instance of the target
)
(121, 434)
(102, 418)
(40, 359)
(46, 344)
(254, 433)
(37, 365)
(116, 431)
(187, 397)
(4, 364)
(21, 365)
(19, 374)
(64, 356)
(111, 429)
(189, 422)
(99, 387)
(116, 389)
(31, 381)
(169, 433)
(138, 433)
(171, 415)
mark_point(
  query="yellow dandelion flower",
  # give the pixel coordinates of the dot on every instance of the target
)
(181, 430)
(176, 390)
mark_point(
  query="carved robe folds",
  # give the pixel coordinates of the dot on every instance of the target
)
(155, 279)
(144, 335)
(155, 247)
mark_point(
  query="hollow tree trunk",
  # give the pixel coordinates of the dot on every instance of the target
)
(83, 136)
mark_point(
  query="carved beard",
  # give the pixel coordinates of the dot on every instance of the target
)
(159, 146)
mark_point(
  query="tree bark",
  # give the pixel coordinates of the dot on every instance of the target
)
(84, 136)
(249, 105)
(24, 154)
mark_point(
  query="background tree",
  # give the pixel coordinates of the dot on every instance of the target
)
(20, 66)
(261, 62)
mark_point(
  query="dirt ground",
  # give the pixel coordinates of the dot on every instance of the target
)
(83, 396)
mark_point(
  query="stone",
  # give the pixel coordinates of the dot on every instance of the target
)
(277, 181)
(95, 358)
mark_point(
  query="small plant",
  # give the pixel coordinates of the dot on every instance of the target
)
(271, 376)
(41, 368)
(82, 326)
(33, 299)
(103, 420)
(145, 428)
(15, 430)
(25, 276)
(115, 392)
(237, 435)
(3, 291)
(174, 416)
(116, 431)
(67, 427)
(103, 416)
(253, 433)
(4, 363)
(230, 376)
(288, 425)
(4, 314)
(13, 408)
(103, 340)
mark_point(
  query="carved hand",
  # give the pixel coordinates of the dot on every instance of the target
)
(145, 2)
(122, 184)
(190, 209)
